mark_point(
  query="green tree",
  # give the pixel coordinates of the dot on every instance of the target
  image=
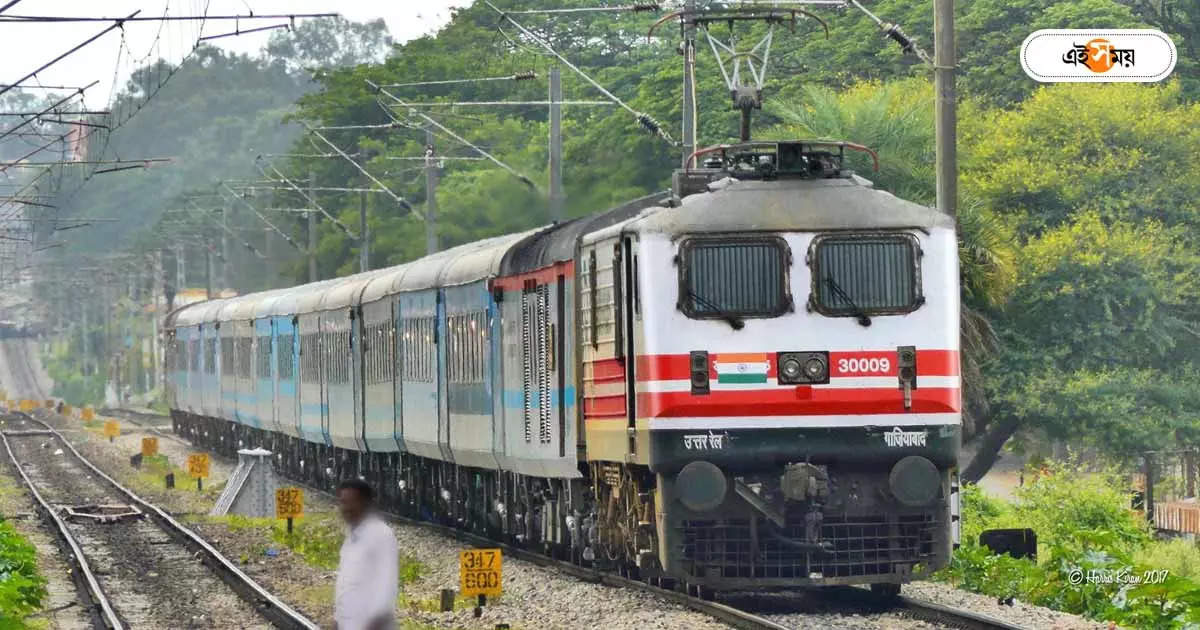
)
(1125, 151)
(329, 42)
(1099, 339)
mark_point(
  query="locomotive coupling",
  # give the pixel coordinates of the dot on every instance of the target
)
(804, 482)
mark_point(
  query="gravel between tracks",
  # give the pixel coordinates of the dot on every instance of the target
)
(1019, 613)
(152, 580)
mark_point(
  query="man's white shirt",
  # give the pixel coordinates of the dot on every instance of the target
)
(368, 575)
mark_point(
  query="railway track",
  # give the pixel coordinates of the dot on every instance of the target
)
(23, 381)
(139, 567)
(753, 613)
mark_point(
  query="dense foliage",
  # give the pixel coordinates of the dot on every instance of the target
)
(21, 587)
(1086, 534)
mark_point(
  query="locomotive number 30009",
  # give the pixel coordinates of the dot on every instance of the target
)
(864, 365)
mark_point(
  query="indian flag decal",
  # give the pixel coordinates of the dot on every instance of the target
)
(742, 368)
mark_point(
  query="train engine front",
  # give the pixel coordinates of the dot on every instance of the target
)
(797, 382)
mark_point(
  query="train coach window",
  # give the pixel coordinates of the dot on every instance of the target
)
(210, 356)
(283, 356)
(865, 274)
(733, 277)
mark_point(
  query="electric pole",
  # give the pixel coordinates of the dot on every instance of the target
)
(312, 230)
(689, 80)
(180, 275)
(431, 182)
(364, 233)
(556, 191)
(947, 157)
(223, 278)
(208, 271)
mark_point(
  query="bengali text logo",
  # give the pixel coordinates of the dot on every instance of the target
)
(1073, 55)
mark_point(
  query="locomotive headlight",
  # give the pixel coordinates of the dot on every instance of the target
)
(816, 369)
(790, 368)
(803, 368)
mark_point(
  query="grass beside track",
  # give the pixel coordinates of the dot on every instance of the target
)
(22, 587)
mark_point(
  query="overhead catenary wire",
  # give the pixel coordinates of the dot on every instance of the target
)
(232, 233)
(636, 8)
(400, 200)
(444, 129)
(498, 103)
(117, 23)
(307, 197)
(893, 31)
(519, 76)
(643, 119)
(164, 18)
(287, 237)
(64, 99)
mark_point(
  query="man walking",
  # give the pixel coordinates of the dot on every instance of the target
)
(368, 572)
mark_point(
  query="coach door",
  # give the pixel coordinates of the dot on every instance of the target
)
(607, 413)
(358, 351)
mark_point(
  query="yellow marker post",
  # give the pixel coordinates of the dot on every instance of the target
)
(198, 468)
(111, 429)
(480, 573)
(88, 414)
(289, 504)
(149, 446)
(27, 405)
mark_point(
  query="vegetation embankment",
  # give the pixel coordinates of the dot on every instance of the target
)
(1096, 557)
(22, 588)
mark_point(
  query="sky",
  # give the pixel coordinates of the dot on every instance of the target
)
(25, 47)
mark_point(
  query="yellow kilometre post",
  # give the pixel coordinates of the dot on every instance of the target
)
(111, 429)
(149, 446)
(198, 468)
(289, 504)
(480, 573)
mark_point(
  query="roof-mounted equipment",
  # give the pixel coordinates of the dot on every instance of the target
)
(791, 159)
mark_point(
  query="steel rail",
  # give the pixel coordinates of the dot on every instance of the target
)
(102, 606)
(266, 603)
(914, 608)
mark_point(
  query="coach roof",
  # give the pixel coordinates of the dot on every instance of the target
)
(791, 205)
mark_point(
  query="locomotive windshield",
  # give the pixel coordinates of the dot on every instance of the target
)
(862, 275)
(723, 278)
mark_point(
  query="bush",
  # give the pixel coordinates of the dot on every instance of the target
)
(1085, 530)
(1061, 505)
(21, 587)
(1178, 557)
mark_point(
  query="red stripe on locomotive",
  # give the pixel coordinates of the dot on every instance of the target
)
(677, 367)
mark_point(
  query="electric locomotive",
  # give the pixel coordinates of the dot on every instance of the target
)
(749, 381)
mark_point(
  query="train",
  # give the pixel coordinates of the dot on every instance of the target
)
(748, 381)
